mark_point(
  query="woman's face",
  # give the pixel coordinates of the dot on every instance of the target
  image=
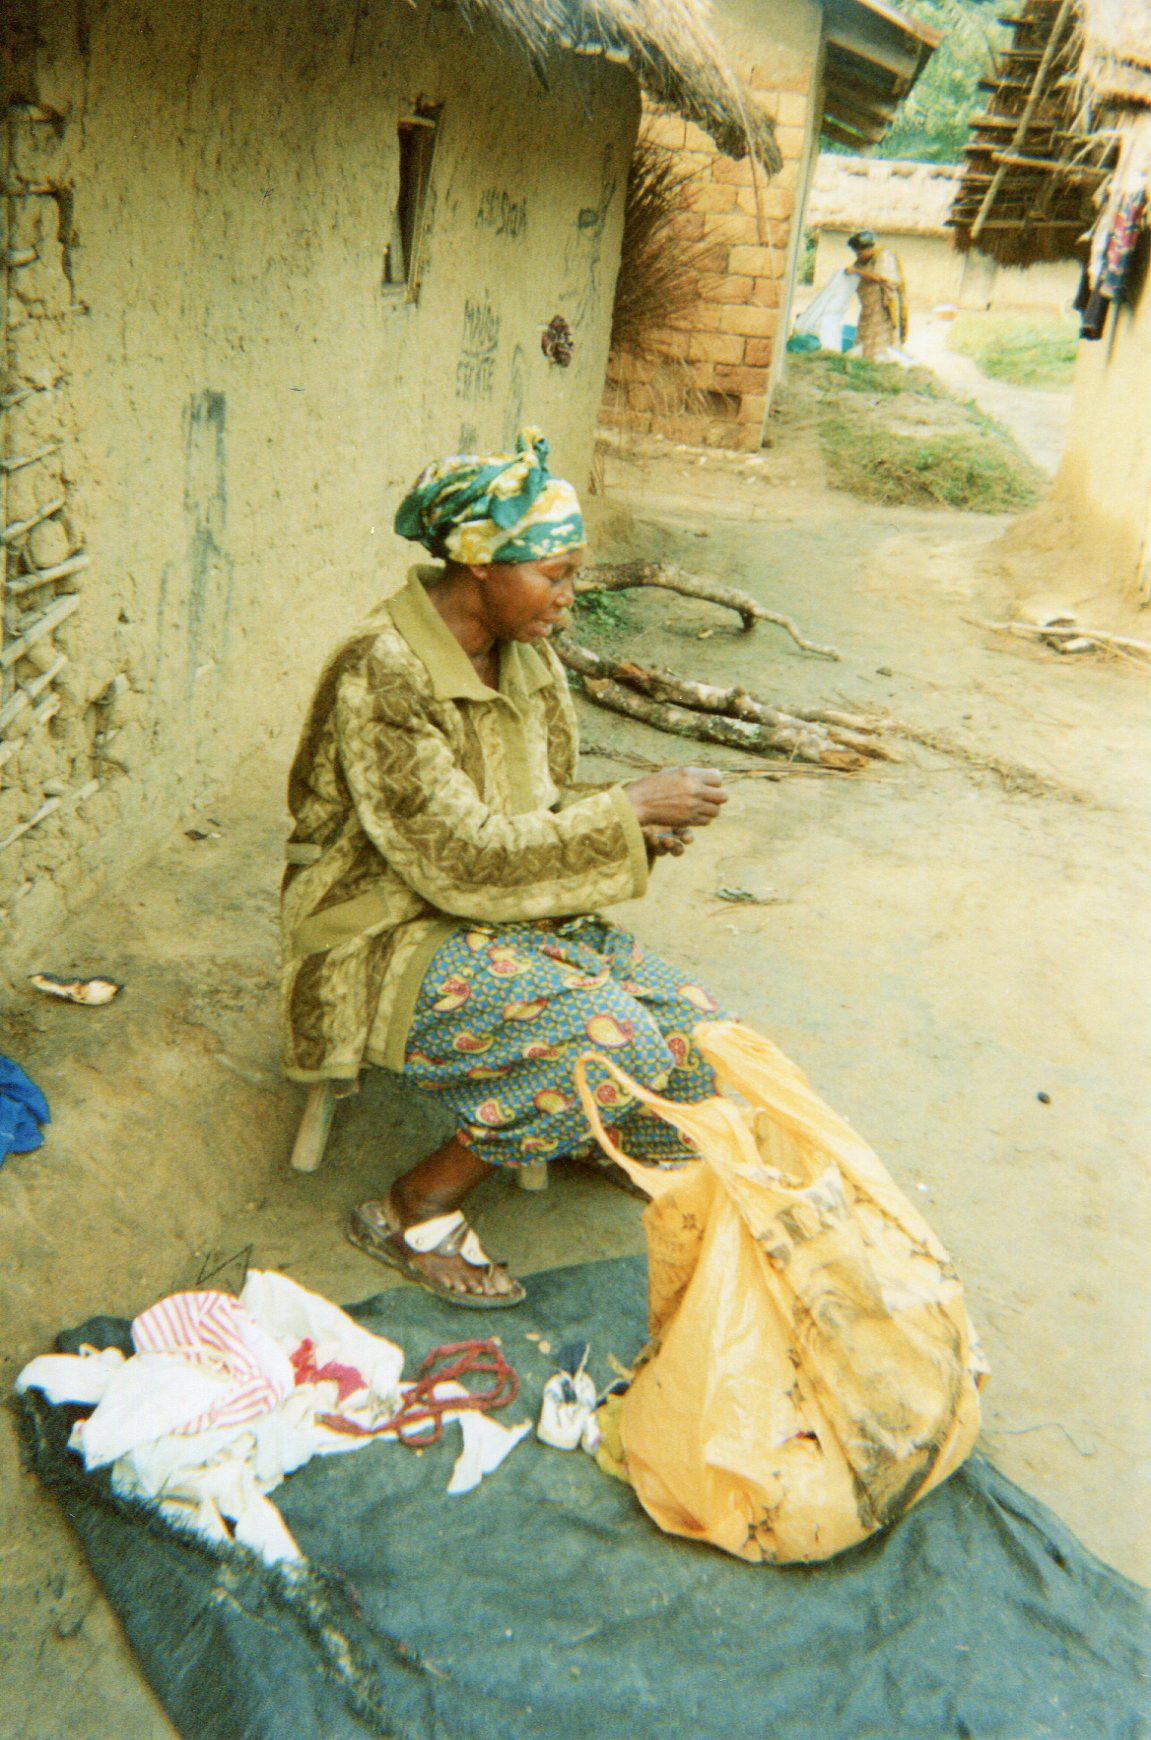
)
(525, 600)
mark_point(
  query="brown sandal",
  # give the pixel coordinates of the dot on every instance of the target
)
(447, 1235)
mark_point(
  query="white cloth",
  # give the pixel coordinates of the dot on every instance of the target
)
(214, 1332)
(71, 1377)
(825, 313)
(486, 1442)
(210, 1413)
(291, 1315)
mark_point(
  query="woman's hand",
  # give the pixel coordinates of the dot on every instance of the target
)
(677, 797)
(665, 842)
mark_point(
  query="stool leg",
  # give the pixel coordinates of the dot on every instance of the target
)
(534, 1176)
(312, 1135)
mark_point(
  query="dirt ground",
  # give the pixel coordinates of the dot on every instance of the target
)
(1037, 419)
(941, 941)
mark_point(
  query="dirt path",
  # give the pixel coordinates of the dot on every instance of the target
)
(1038, 420)
(944, 943)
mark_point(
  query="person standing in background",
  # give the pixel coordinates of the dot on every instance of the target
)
(882, 296)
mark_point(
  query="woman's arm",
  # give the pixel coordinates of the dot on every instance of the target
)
(426, 817)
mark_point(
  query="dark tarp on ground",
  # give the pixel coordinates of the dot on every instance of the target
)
(546, 1605)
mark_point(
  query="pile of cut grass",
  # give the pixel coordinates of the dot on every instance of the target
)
(897, 436)
(974, 469)
(1028, 350)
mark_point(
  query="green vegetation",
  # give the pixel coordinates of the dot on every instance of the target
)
(931, 127)
(898, 436)
(969, 469)
(807, 256)
(1029, 350)
(857, 375)
(605, 614)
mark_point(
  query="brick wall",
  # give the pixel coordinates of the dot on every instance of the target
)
(706, 378)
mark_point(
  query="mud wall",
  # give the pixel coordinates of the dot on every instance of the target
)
(212, 398)
(1102, 492)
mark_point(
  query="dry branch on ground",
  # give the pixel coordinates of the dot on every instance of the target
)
(715, 715)
(1064, 634)
(625, 576)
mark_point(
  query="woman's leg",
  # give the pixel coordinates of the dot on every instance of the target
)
(433, 1187)
(502, 1017)
(674, 1004)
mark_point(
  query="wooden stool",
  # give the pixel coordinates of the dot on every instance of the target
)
(316, 1127)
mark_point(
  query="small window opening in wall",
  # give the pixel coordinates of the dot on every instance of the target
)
(402, 256)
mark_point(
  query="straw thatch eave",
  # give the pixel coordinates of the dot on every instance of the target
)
(890, 196)
(1115, 59)
(669, 46)
(1117, 39)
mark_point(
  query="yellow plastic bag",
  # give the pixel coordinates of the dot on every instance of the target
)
(812, 1370)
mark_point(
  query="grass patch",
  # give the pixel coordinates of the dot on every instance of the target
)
(1028, 350)
(975, 470)
(898, 436)
(605, 613)
(855, 374)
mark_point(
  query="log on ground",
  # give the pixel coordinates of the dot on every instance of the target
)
(626, 576)
(736, 733)
(736, 703)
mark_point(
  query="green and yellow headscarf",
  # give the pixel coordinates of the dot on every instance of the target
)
(504, 508)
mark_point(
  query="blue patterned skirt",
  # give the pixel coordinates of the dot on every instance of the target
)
(505, 1011)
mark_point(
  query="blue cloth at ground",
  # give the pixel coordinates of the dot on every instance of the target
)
(23, 1109)
(547, 1606)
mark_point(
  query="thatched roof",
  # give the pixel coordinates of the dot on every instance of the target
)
(890, 197)
(1115, 60)
(1061, 115)
(669, 46)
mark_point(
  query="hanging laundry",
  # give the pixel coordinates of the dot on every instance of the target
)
(1125, 228)
(23, 1109)
(1113, 247)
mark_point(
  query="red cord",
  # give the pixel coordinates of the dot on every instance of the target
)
(419, 1404)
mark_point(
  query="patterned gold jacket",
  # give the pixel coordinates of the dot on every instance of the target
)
(422, 798)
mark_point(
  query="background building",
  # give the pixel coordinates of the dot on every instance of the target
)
(907, 205)
(835, 69)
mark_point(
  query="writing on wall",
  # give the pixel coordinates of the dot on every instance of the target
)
(498, 211)
(583, 254)
(479, 344)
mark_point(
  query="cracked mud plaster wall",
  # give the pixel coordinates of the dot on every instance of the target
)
(238, 398)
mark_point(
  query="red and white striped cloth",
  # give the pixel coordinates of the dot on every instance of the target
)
(216, 1333)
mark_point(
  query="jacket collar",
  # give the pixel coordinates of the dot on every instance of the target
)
(454, 677)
